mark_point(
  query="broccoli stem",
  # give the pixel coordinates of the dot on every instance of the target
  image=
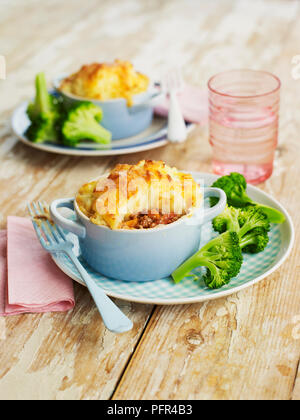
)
(210, 244)
(241, 200)
(197, 260)
(101, 135)
(233, 224)
(245, 228)
(42, 99)
(249, 239)
(186, 268)
(274, 215)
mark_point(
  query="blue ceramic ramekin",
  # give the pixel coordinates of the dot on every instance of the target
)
(122, 121)
(138, 255)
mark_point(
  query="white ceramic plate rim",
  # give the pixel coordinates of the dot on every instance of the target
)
(153, 144)
(178, 301)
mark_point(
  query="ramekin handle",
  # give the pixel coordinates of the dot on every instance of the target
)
(72, 226)
(218, 208)
(152, 100)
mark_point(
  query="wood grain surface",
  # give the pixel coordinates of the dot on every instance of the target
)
(246, 346)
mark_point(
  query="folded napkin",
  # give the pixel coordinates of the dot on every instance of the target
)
(30, 282)
(193, 102)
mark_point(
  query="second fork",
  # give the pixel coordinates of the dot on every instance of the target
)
(53, 240)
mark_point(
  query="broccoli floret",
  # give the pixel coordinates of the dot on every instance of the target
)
(221, 256)
(251, 217)
(234, 185)
(45, 114)
(228, 220)
(255, 225)
(41, 131)
(82, 123)
(250, 223)
(255, 241)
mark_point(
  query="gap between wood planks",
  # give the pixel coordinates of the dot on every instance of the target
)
(296, 397)
(135, 350)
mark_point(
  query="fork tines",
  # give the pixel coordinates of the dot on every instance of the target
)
(46, 230)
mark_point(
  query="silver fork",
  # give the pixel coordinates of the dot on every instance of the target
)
(53, 240)
(173, 83)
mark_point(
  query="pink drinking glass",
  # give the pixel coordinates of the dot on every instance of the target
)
(244, 112)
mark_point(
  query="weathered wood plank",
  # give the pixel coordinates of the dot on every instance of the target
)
(65, 356)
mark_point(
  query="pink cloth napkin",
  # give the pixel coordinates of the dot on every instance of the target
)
(30, 282)
(193, 102)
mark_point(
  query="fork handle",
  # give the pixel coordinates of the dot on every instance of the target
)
(112, 316)
(177, 132)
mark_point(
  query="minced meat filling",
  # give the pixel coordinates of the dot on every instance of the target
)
(151, 220)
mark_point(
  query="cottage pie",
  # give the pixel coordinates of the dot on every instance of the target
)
(139, 196)
(105, 81)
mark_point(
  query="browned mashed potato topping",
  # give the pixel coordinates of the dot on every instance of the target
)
(105, 81)
(139, 196)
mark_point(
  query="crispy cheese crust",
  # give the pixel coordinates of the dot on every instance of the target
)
(106, 81)
(139, 196)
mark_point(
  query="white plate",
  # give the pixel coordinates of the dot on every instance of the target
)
(155, 136)
(164, 292)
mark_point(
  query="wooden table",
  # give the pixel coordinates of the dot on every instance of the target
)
(245, 346)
